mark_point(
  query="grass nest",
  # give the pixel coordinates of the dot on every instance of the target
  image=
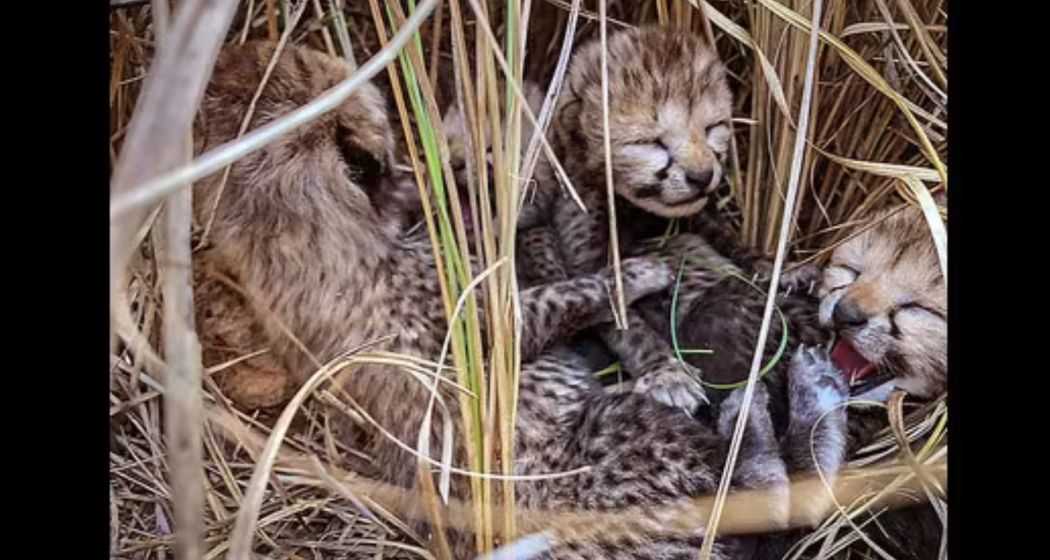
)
(877, 138)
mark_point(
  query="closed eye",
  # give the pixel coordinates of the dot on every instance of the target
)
(655, 142)
(854, 274)
(919, 307)
(848, 268)
(710, 128)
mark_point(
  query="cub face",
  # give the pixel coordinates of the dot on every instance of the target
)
(884, 293)
(669, 111)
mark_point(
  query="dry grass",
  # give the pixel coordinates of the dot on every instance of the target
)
(281, 487)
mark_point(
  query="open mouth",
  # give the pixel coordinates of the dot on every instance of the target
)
(861, 374)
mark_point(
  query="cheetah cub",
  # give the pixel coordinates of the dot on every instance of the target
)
(639, 450)
(883, 291)
(669, 111)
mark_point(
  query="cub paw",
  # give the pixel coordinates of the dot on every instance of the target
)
(643, 276)
(800, 279)
(815, 384)
(672, 385)
(793, 278)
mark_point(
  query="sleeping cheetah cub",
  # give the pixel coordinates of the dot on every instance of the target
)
(885, 295)
(882, 292)
(669, 107)
(669, 110)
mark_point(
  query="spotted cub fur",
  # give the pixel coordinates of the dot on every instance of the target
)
(642, 453)
(669, 111)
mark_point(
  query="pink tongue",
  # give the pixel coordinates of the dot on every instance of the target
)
(853, 365)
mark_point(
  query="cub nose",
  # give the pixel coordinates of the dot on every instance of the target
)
(699, 180)
(848, 314)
